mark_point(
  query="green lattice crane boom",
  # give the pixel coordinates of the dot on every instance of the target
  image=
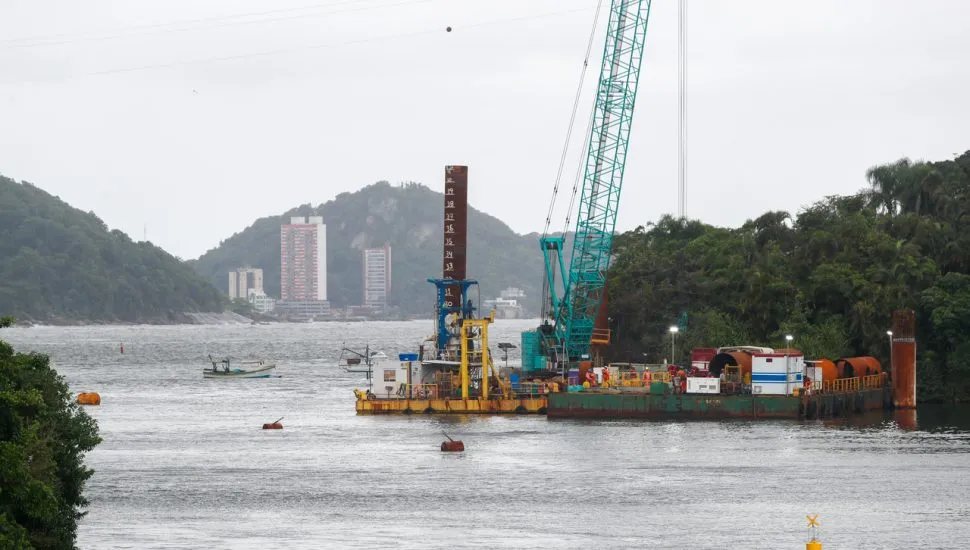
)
(584, 282)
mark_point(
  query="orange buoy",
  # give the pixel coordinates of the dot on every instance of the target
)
(88, 398)
(273, 425)
(452, 446)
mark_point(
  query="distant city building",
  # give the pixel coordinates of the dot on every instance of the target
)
(244, 279)
(507, 305)
(377, 276)
(512, 292)
(261, 303)
(303, 309)
(303, 260)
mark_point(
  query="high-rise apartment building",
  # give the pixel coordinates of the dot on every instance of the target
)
(377, 276)
(303, 260)
(244, 279)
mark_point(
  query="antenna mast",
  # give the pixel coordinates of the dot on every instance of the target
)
(682, 141)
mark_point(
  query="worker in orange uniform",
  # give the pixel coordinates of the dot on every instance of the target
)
(606, 376)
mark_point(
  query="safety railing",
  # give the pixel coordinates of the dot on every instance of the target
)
(528, 389)
(658, 377)
(423, 391)
(871, 382)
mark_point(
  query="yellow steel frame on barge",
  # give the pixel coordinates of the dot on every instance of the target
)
(506, 402)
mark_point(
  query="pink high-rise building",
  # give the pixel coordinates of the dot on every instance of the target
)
(303, 260)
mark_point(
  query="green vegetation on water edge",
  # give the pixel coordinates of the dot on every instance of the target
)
(62, 265)
(44, 435)
(831, 276)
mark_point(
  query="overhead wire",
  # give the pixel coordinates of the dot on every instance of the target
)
(562, 159)
(19, 43)
(572, 119)
(300, 48)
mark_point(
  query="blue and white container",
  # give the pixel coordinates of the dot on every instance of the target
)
(776, 373)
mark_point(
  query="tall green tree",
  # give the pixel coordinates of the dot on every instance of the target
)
(831, 276)
(43, 438)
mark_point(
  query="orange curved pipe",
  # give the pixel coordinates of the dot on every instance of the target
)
(829, 371)
(857, 367)
(730, 358)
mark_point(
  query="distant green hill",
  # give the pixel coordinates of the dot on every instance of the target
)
(63, 265)
(409, 217)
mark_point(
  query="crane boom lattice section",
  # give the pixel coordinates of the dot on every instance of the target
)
(606, 158)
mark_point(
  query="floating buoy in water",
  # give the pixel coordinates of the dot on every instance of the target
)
(451, 446)
(273, 425)
(88, 398)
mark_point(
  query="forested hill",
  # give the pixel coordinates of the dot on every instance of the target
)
(63, 265)
(831, 276)
(409, 217)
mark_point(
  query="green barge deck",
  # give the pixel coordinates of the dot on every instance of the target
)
(620, 404)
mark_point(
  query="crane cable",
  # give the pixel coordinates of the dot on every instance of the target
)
(546, 291)
(572, 119)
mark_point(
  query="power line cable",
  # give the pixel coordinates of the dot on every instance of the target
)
(51, 40)
(297, 48)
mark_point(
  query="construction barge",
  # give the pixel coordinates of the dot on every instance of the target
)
(453, 371)
(731, 382)
(561, 373)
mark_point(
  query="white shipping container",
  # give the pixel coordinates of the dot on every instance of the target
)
(703, 385)
(776, 374)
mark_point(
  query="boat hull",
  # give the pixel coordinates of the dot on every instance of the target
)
(645, 405)
(534, 405)
(264, 372)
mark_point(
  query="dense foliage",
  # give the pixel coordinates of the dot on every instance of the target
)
(409, 217)
(61, 264)
(830, 276)
(43, 438)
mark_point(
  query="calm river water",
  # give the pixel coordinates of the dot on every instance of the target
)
(184, 463)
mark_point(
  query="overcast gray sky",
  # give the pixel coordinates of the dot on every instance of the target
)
(194, 119)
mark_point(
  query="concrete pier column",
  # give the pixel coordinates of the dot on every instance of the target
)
(904, 359)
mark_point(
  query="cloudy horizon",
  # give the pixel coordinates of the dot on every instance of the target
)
(195, 119)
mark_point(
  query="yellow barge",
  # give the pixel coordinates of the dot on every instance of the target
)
(501, 405)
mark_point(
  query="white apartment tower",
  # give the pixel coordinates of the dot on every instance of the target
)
(377, 276)
(243, 280)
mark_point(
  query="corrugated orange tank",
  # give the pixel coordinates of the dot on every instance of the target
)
(829, 370)
(88, 398)
(856, 367)
(730, 358)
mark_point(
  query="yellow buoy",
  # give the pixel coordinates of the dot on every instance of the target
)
(813, 525)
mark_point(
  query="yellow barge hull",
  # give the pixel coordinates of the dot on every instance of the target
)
(533, 405)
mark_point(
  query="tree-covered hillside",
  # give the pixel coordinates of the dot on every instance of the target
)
(831, 276)
(409, 217)
(62, 265)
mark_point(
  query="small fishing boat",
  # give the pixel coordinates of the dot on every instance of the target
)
(361, 362)
(225, 368)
